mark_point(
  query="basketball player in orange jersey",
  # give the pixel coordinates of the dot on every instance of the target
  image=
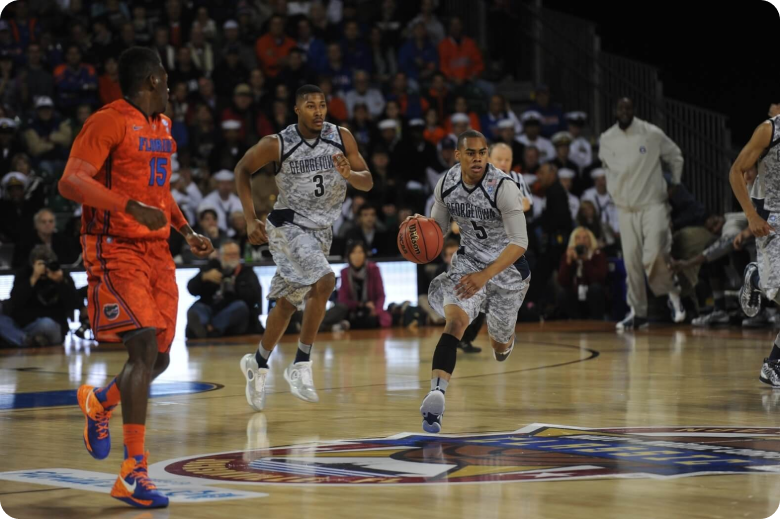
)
(119, 169)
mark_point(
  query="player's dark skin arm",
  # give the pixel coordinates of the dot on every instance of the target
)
(351, 165)
(742, 169)
(261, 154)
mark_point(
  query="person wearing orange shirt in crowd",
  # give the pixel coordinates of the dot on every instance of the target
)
(273, 47)
(460, 58)
(119, 169)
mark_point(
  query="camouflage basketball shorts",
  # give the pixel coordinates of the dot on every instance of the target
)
(500, 299)
(768, 259)
(300, 258)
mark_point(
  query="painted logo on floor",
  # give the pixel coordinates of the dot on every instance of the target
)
(535, 453)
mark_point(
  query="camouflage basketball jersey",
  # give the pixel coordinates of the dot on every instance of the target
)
(311, 190)
(482, 234)
(767, 185)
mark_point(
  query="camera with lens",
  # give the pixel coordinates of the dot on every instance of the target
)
(581, 250)
(53, 265)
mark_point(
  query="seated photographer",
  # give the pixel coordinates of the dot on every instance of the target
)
(582, 276)
(42, 299)
(230, 297)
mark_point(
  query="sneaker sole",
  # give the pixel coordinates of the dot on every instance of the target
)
(135, 504)
(504, 354)
(624, 329)
(431, 428)
(295, 392)
(767, 381)
(437, 408)
(244, 370)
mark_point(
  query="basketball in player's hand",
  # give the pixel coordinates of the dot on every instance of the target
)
(420, 240)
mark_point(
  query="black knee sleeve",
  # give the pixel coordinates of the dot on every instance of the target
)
(446, 353)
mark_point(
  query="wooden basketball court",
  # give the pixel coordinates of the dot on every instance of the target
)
(579, 422)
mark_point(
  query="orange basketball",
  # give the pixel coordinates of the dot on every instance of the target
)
(420, 240)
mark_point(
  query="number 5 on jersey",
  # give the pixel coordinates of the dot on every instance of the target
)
(157, 171)
(481, 233)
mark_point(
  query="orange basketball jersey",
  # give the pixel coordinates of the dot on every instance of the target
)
(132, 154)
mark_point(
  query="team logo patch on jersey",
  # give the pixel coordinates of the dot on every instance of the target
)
(642, 149)
(328, 132)
(111, 311)
(536, 452)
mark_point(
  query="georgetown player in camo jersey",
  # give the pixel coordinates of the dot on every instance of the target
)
(314, 162)
(763, 214)
(489, 271)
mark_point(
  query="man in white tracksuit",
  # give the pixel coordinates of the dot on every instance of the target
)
(631, 152)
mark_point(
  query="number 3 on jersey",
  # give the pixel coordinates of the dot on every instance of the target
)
(319, 187)
(157, 171)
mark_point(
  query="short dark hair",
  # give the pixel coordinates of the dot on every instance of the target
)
(203, 212)
(469, 133)
(305, 90)
(353, 244)
(365, 207)
(135, 65)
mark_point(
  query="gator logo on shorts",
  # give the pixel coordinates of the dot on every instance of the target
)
(111, 311)
(536, 452)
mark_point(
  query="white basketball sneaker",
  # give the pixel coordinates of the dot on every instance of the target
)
(432, 410)
(301, 381)
(255, 382)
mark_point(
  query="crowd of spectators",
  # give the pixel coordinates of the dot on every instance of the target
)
(405, 77)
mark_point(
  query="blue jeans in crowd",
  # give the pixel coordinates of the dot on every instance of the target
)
(230, 321)
(45, 330)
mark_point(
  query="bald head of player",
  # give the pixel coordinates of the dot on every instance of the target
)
(311, 108)
(624, 112)
(143, 80)
(472, 153)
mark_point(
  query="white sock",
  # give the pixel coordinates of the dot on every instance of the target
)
(439, 383)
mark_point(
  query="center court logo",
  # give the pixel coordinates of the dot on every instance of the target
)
(536, 452)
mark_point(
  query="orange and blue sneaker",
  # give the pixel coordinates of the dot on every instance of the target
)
(134, 487)
(97, 439)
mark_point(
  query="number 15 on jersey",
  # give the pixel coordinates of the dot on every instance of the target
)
(157, 171)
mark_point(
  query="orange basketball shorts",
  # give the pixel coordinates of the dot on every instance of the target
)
(132, 285)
